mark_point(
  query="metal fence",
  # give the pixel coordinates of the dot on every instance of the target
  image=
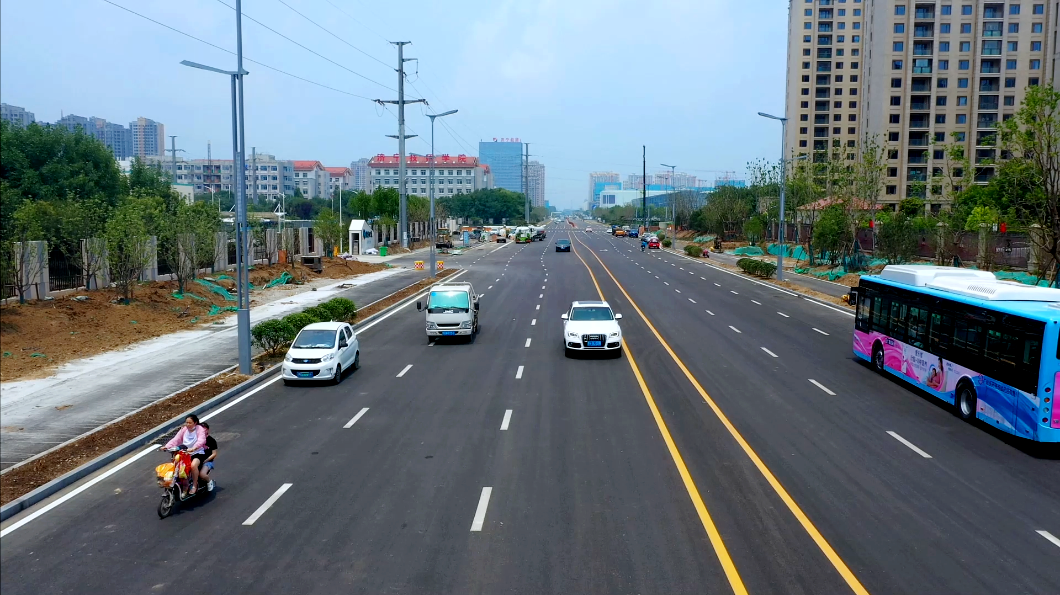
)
(62, 273)
(7, 279)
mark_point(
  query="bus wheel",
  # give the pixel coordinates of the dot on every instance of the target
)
(877, 358)
(967, 402)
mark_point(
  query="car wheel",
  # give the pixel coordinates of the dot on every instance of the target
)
(967, 402)
(286, 382)
(357, 361)
(338, 374)
(877, 358)
(567, 352)
(617, 354)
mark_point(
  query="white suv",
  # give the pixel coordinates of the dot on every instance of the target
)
(592, 326)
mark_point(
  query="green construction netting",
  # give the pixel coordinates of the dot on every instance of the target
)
(221, 291)
(1021, 277)
(748, 251)
(215, 309)
(703, 239)
(178, 295)
(283, 279)
(223, 277)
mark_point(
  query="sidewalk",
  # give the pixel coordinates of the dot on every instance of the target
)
(86, 393)
(806, 281)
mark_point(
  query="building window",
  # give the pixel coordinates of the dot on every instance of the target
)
(966, 46)
(806, 38)
(895, 118)
(1013, 46)
(804, 105)
(852, 105)
(944, 28)
(1010, 64)
(1036, 46)
(838, 105)
(1036, 64)
(842, 26)
(892, 154)
(1032, 82)
(940, 118)
(857, 25)
(899, 9)
(807, 25)
(966, 9)
(944, 46)
(947, 9)
(898, 46)
(838, 92)
(892, 172)
(808, 12)
(892, 137)
(840, 38)
(852, 118)
(896, 100)
(857, 12)
(854, 91)
(1013, 8)
(899, 27)
(966, 28)
(802, 143)
(853, 78)
(962, 100)
(944, 64)
(962, 83)
(1038, 9)
(856, 39)
(942, 83)
(1010, 83)
(962, 65)
(1036, 28)
(805, 91)
(940, 137)
(804, 117)
(962, 118)
(896, 83)
(852, 143)
(940, 100)
(892, 190)
(1010, 100)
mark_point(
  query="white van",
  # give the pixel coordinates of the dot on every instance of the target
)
(452, 310)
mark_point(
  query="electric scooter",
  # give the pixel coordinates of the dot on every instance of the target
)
(175, 478)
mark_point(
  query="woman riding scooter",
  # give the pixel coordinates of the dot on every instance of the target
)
(191, 438)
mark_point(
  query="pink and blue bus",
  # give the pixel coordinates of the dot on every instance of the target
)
(990, 348)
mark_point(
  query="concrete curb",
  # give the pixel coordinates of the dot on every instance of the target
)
(52, 487)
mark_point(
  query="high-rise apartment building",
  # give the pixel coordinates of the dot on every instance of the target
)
(636, 181)
(117, 137)
(16, 115)
(914, 75)
(148, 138)
(274, 177)
(505, 160)
(535, 183)
(360, 172)
(599, 181)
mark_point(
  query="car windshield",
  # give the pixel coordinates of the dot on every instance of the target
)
(448, 300)
(591, 313)
(314, 339)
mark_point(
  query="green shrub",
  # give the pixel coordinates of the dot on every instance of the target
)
(759, 268)
(272, 335)
(319, 313)
(694, 250)
(667, 243)
(341, 309)
(661, 235)
(298, 321)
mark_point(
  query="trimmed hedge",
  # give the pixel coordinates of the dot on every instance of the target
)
(661, 235)
(272, 335)
(667, 243)
(694, 250)
(759, 268)
(341, 309)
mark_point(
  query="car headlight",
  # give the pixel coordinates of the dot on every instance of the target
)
(575, 335)
(466, 324)
(288, 358)
(431, 325)
(327, 357)
(613, 335)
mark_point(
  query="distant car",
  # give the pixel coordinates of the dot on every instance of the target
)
(653, 242)
(592, 326)
(588, 230)
(620, 233)
(562, 245)
(633, 233)
(322, 351)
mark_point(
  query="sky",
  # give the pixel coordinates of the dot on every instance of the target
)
(585, 82)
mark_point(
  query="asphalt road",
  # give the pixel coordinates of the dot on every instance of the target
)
(607, 476)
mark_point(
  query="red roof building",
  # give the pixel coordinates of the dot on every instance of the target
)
(454, 174)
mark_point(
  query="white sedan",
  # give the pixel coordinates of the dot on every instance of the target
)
(322, 351)
(592, 326)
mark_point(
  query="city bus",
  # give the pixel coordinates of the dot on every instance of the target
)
(987, 347)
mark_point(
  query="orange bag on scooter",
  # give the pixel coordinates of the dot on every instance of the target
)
(165, 472)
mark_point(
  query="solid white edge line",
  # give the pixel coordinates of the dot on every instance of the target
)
(480, 512)
(519, 373)
(237, 400)
(820, 331)
(909, 444)
(507, 419)
(81, 488)
(1049, 536)
(692, 300)
(709, 312)
(527, 342)
(821, 386)
(784, 315)
(769, 352)
(756, 302)
(350, 423)
(403, 370)
(735, 329)
(268, 503)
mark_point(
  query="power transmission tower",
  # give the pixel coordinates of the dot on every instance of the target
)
(403, 222)
(173, 162)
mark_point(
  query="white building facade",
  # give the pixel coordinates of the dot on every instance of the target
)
(453, 174)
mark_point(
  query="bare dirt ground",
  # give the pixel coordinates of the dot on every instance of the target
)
(28, 477)
(39, 336)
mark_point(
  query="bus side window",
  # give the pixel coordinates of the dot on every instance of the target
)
(968, 337)
(941, 333)
(898, 320)
(918, 326)
(880, 306)
(864, 312)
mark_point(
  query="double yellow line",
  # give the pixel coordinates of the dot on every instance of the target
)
(708, 523)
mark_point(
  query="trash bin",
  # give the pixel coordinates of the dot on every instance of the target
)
(382, 251)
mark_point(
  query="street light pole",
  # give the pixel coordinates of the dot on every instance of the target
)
(673, 190)
(433, 224)
(783, 183)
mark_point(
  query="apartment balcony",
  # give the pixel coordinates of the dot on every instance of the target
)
(920, 106)
(989, 85)
(824, 40)
(824, 53)
(983, 174)
(988, 102)
(919, 139)
(824, 27)
(985, 139)
(825, 14)
(825, 2)
(919, 121)
(824, 67)
(986, 121)
(924, 14)
(916, 174)
(985, 156)
(923, 49)
(922, 69)
(990, 66)
(994, 11)
(992, 47)
(820, 132)
(920, 85)
(927, 30)
(820, 119)
(917, 157)
(993, 29)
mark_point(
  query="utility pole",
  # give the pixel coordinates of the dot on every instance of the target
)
(644, 184)
(526, 181)
(242, 274)
(403, 222)
(254, 173)
(209, 177)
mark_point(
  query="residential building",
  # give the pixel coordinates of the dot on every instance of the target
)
(360, 174)
(339, 178)
(16, 115)
(274, 177)
(620, 197)
(671, 180)
(636, 181)
(311, 178)
(117, 137)
(825, 73)
(453, 175)
(932, 73)
(148, 138)
(505, 161)
(535, 183)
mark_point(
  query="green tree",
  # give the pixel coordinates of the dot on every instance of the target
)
(128, 239)
(326, 227)
(754, 229)
(187, 241)
(832, 232)
(896, 236)
(360, 205)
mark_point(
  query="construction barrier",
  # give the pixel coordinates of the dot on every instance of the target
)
(441, 264)
(419, 265)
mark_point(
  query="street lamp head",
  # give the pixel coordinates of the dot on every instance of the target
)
(210, 68)
(448, 113)
(771, 117)
(664, 165)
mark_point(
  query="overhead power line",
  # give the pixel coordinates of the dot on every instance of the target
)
(332, 34)
(314, 52)
(226, 50)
